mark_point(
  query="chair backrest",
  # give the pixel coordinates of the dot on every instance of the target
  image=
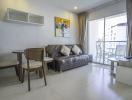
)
(120, 50)
(36, 54)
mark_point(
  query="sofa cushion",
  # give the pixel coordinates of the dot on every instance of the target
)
(53, 50)
(76, 50)
(70, 47)
(72, 59)
(65, 60)
(65, 50)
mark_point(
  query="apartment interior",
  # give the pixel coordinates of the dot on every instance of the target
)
(65, 49)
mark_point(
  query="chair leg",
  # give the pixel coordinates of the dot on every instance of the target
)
(44, 75)
(28, 80)
(23, 75)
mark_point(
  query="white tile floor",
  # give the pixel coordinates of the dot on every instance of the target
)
(90, 82)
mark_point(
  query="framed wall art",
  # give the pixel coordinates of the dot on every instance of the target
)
(62, 27)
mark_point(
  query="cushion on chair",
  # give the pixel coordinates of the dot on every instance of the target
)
(33, 65)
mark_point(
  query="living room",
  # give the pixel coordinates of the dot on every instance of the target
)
(84, 49)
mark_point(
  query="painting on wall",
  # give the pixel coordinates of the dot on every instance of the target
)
(62, 27)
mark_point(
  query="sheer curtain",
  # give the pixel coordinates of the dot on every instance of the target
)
(129, 22)
(83, 29)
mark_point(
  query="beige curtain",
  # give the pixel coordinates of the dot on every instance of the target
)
(83, 28)
(129, 22)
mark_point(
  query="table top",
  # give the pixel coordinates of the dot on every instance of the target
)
(18, 51)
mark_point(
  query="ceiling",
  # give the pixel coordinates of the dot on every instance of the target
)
(83, 5)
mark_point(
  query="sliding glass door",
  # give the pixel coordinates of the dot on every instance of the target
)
(107, 38)
(96, 39)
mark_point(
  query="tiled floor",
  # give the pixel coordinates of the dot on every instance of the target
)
(90, 82)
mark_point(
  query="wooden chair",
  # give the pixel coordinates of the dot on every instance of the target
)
(9, 61)
(35, 58)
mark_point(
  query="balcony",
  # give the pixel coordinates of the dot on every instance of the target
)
(107, 49)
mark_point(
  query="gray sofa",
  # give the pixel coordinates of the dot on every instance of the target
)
(61, 62)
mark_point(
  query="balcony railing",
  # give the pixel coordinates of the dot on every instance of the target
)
(106, 49)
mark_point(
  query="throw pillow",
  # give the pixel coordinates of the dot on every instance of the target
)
(76, 50)
(65, 50)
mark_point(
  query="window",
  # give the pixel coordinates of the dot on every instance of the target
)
(106, 36)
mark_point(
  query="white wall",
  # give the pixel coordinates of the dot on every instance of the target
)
(108, 10)
(20, 36)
